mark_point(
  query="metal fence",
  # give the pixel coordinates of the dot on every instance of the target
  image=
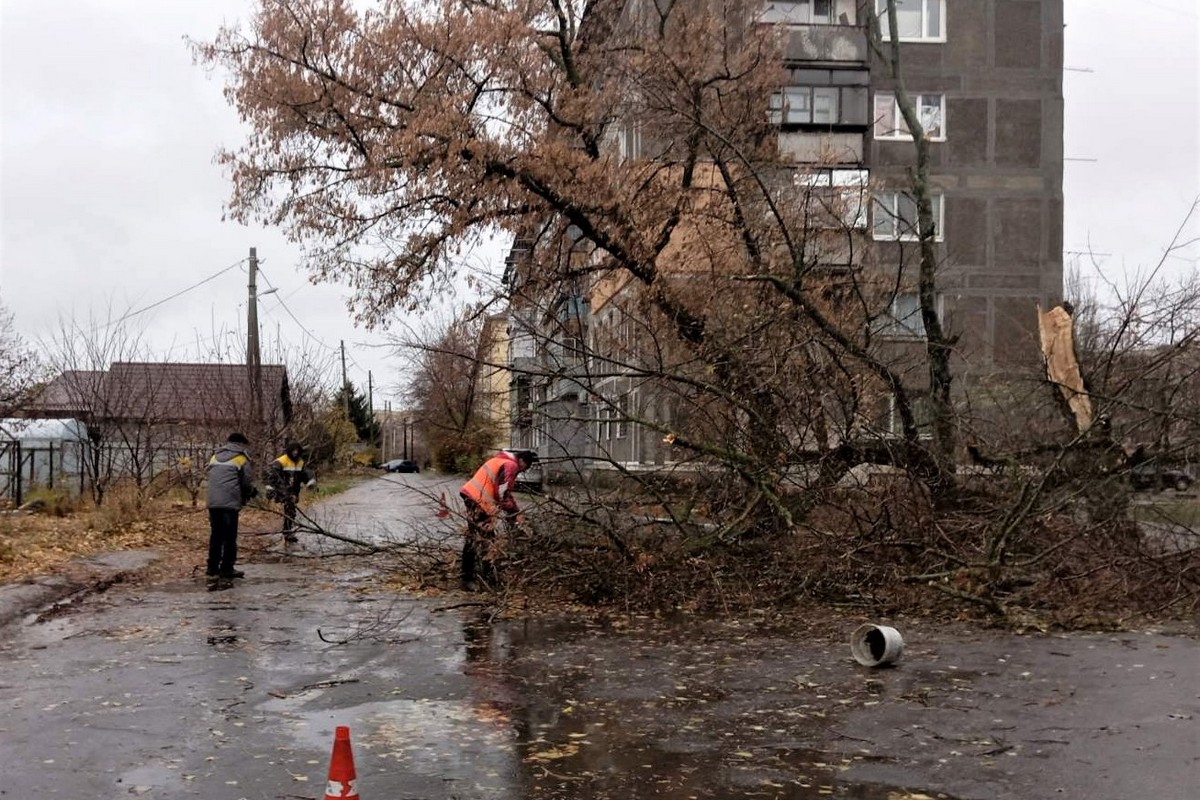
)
(56, 466)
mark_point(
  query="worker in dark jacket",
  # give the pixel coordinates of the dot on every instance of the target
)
(230, 486)
(487, 496)
(286, 478)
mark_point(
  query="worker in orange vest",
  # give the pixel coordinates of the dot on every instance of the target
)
(487, 495)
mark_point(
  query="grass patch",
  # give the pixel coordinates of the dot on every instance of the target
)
(330, 485)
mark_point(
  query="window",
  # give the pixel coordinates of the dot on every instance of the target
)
(896, 216)
(571, 351)
(798, 12)
(890, 123)
(605, 428)
(622, 416)
(922, 411)
(825, 97)
(629, 142)
(571, 307)
(837, 197)
(916, 20)
(624, 337)
(523, 409)
(903, 319)
(625, 137)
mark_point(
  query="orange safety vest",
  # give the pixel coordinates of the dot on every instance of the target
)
(485, 488)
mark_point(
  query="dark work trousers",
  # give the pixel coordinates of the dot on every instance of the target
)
(481, 532)
(289, 516)
(222, 540)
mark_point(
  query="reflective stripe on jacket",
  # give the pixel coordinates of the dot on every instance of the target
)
(229, 479)
(287, 475)
(492, 485)
(285, 463)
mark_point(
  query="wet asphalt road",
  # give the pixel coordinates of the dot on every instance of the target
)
(173, 691)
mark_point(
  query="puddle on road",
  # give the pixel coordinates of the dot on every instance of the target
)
(223, 635)
(575, 711)
(153, 780)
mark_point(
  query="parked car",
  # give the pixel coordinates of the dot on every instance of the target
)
(400, 465)
(1150, 476)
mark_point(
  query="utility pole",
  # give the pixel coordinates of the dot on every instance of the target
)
(345, 382)
(389, 430)
(253, 356)
(371, 404)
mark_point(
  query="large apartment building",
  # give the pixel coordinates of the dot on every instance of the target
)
(986, 76)
(986, 79)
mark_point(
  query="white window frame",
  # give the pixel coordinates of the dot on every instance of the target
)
(920, 410)
(903, 321)
(624, 136)
(887, 201)
(926, 36)
(797, 12)
(805, 99)
(621, 412)
(629, 141)
(571, 351)
(847, 187)
(602, 422)
(897, 128)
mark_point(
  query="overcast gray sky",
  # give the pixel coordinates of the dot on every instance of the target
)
(1138, 114)
(109, 195)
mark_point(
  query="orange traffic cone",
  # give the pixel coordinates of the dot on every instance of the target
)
(342, 780)
(443, 510)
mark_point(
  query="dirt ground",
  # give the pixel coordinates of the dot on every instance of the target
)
(39, 544)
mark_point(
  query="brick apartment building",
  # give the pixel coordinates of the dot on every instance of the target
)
(986, 77)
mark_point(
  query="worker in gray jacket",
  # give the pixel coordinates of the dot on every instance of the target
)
(230, 486)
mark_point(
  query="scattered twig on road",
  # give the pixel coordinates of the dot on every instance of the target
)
(385, 622)
(311, 686)
(995, 751)
(469, 604)
(841, 735)
(310, 525)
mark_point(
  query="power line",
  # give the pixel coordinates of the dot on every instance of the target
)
(181, 292)
(295, 319)
(278, 297)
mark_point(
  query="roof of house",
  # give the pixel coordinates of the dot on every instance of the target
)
(67, 394)
(163, 392)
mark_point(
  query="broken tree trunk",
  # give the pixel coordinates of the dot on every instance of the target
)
(1056, 329)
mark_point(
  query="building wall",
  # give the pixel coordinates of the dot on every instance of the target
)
(1000, 169)
(496, 378)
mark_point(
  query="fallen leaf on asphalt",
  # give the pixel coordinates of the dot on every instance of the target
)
(554, 753)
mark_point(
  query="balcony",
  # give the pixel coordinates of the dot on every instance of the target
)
(819, 30)
(831, 44)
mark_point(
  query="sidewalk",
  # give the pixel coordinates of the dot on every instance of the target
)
(80, 578)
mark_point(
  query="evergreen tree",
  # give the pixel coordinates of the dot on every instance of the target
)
(361, 416)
